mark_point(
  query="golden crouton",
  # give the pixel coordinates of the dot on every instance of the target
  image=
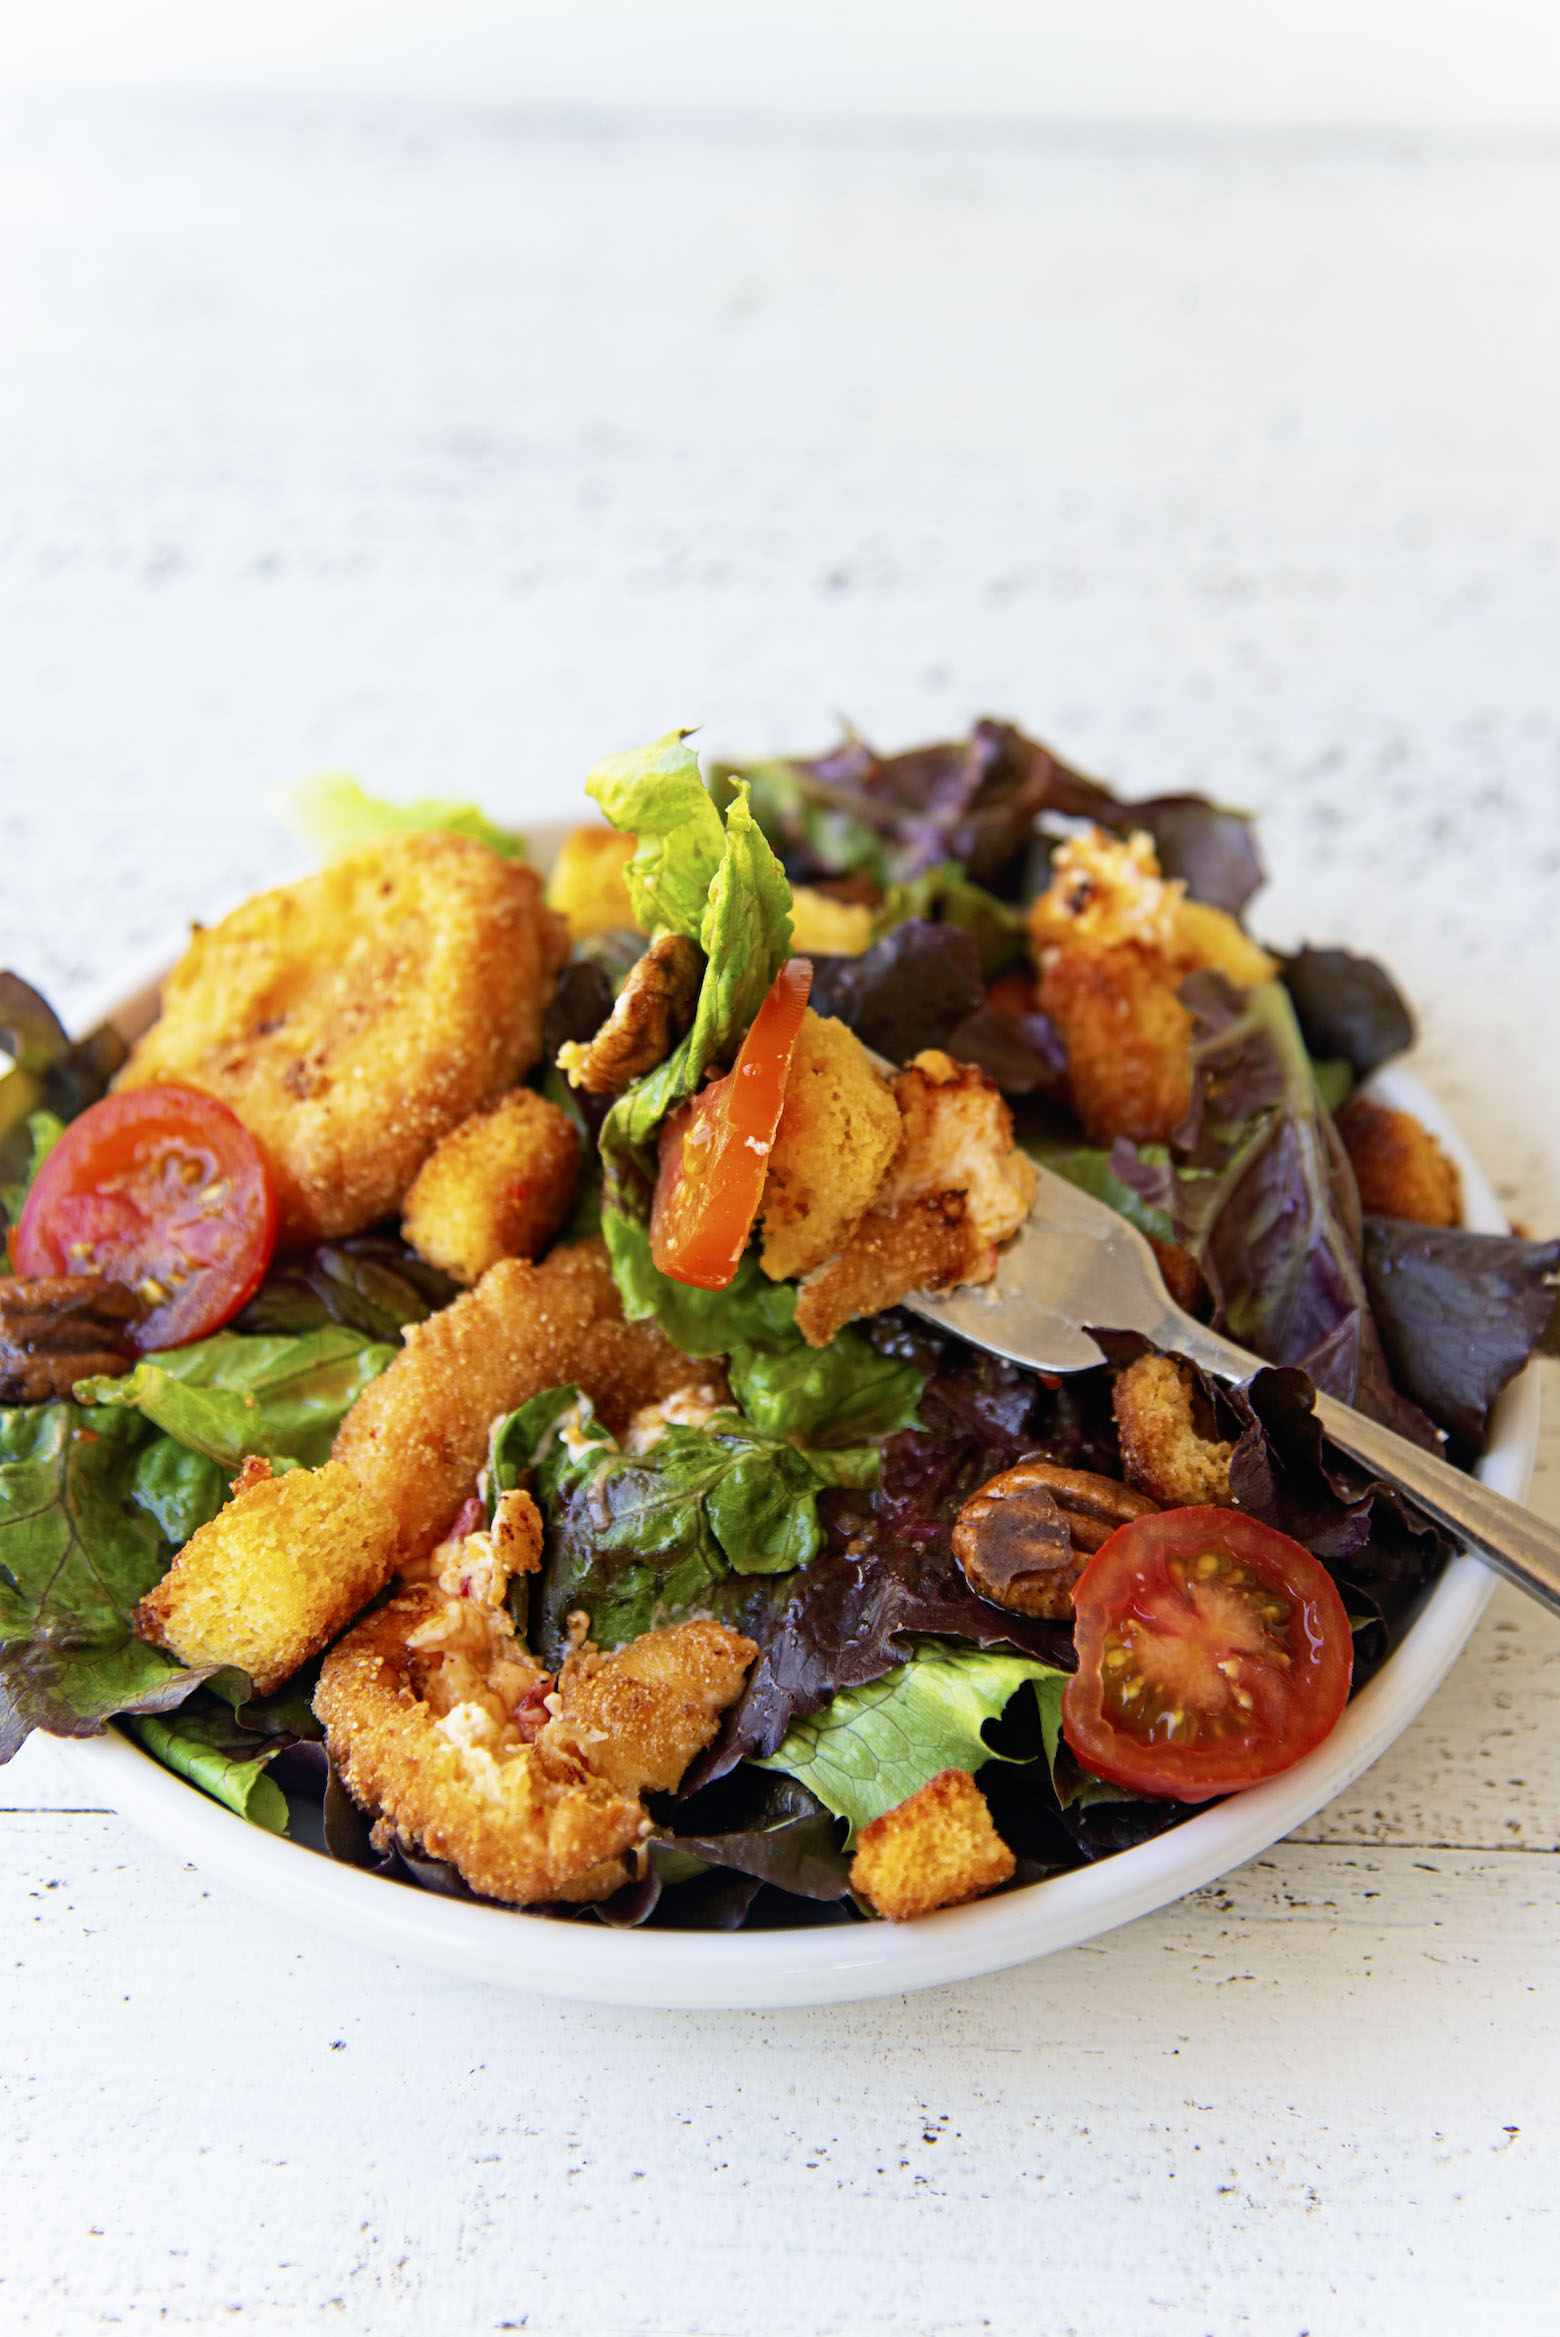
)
(938, 1849)
(649, 1015)
(1113, 940)
(528, 1803)
(419, 1433)
(824, 927)
(498, 1186)
(838, 1133)
(1163, 1452)
(957, 1187)
(1399, 1167)
(274, 1575)
(586, 884)
(354, 1018)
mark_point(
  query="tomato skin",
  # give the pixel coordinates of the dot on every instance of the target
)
(715, 1149)
(162, 1188)
(1213, 1652)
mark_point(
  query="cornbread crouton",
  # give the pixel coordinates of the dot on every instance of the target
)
(1113, 940)
(838, 1133)
(354, 1018)
(1163, 1452)
(649, 1015)
(957, 1187)
(938, 1849)
(586, 884)
(824, 927)
(419, 1433)
(498, 1186)
(441, 1723)
(274, 1575)
(1399, 1167)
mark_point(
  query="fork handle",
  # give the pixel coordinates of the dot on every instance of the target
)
(1522, 1547)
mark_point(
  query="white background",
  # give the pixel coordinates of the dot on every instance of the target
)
(457, 397)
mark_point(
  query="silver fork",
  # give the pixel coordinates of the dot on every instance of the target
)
(1075, 1262)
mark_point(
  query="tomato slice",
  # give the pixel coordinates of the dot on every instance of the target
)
(1212, 1652)
(164, 1189)
(715, 1150)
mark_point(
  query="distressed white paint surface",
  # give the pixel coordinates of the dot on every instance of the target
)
(459, 449)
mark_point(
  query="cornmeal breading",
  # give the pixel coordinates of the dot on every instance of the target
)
(419, 1433)
(438, 1722)
(498, 1186)
(640, 1714)
(354, 1018)
(275, 1574)
(586, 884)
(1399, 1167)
(957, 1187)
(1163, 1452)
(1113, 940)
(838, 1133)
(938, 1849)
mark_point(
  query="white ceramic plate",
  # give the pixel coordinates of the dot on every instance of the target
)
(839, 1963)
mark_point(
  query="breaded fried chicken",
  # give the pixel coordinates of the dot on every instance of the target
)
(443, 1725)
(1399, 1167)
(958, 1187)
(418, 1435)
(354, 1018)
(1113, 940)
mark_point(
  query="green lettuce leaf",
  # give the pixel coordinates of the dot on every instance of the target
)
(77, 1551)
(1091, 1171)
(229, 1396)
(824, 1395)
(657, 794)
(871, 1747)
(638, 1538)
(744, 933)
(334, 816)
(213, 1752)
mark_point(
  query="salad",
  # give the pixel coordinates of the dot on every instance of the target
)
(456, 1403)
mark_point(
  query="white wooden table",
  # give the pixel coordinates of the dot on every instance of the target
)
(458, 448)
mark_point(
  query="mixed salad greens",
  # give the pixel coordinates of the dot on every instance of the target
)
(816, 1512)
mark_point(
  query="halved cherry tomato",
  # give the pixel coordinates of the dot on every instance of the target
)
(1212, 1652)
(164, 1189)
(715, 1150)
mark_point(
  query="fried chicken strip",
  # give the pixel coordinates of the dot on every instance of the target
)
(442, 1724)
(418, 1435)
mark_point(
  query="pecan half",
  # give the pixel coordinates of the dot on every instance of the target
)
(1023, 1538)
(59, 1329)
(654, 1008)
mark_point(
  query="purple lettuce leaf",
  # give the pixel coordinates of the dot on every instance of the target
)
(1284, 1472)
(912, 989)
(1459, 1314)
(1021, 1051)
(1347, 1007)
(977, 801)
(1263, 1196)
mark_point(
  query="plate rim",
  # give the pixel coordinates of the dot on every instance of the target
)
(837, 1964)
